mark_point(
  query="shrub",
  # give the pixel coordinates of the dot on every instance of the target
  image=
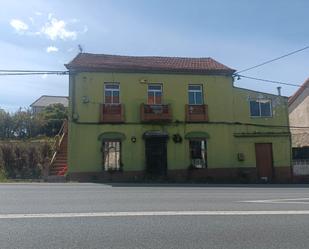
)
(23, 159)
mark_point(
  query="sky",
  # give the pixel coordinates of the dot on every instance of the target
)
(44, 35)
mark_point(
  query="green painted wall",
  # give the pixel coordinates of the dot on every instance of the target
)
(225, 104)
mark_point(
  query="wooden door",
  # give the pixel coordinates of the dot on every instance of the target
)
(156, 156)
(264, 161)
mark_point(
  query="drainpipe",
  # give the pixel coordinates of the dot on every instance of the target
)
(72, 75)
(290, 137)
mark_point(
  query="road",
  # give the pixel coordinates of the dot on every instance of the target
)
(71, 215)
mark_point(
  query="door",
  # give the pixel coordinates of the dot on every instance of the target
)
(156, 157)
(264, 161)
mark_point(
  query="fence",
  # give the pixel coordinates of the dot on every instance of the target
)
(301, 167)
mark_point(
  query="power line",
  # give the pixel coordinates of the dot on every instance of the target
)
(275, 59)
(266, 80)
(30, 71)
(33, 73)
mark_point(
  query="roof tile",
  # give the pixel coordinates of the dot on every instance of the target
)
(104, 62)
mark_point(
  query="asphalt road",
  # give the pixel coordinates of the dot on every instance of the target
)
(143, 216)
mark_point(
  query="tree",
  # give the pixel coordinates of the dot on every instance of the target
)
(54, 115)
(6, 124)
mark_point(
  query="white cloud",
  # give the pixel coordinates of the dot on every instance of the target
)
(31, 20)
(38, 13)
(51, 49)
(44, 76)
(56, 29)
(85, 29)
(19, 25)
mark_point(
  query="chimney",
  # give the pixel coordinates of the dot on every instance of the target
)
(279, 90)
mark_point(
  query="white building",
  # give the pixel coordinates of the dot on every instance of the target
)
(46, 100)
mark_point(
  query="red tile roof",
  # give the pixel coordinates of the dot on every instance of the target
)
(298, 92)
(104, 62)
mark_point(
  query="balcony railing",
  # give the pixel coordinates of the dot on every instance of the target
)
(156, 113)
(111, 113)
(196, 113)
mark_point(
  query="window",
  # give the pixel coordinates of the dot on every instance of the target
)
(195, 95)
(111, 154)
(260, 108)
(155, 94)
(198, 153)
(111, 91)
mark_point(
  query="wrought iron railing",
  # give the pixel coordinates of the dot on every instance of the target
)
(58, 140)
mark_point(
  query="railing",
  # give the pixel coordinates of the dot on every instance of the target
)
(111, 113)
(155, 113)
(196, 113)
(301, 167)
(58, 140)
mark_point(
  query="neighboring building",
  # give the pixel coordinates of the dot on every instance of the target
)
(299, 117)
(170, 117)
(46, 100)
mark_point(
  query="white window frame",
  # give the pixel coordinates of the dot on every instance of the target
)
(196, 91)
(112, 90)
(259, 101)
(155, 91)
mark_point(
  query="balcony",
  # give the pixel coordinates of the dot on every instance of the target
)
(196, 113)
(111, 113)
(156, 113)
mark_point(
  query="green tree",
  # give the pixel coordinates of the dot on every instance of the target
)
(6, 125)
(54, 115)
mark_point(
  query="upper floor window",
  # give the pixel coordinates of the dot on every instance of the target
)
(195, 95)
(155, 94)
(111, 93)
(260, 108)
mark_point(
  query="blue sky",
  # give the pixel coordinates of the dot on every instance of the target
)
(43, 35)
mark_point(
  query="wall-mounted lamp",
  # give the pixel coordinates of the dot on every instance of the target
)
(133, 139)
(143, 81)
(241, 156)
(177, 138)
(85, 99)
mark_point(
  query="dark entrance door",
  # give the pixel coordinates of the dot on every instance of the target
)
(264, 161)
(156, 156)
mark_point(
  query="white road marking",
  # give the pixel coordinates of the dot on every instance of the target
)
(152, 213)
(281, 201)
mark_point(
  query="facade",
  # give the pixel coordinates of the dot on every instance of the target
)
(46, 100)
(172, 118)
(299, 117)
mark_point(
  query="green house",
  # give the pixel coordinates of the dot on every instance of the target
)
(181, 119)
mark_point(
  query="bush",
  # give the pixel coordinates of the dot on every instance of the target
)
(23, 159)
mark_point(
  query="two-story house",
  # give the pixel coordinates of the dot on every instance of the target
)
(135, 117)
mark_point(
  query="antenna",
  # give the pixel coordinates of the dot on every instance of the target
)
(80, 48)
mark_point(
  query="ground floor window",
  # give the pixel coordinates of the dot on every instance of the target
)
(111, 155)
(198, 153)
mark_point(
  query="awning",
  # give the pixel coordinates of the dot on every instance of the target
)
(197, 134)
(155, 134)
(111, 135)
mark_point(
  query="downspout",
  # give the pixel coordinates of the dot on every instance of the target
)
(72, 75)
(290, 140)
